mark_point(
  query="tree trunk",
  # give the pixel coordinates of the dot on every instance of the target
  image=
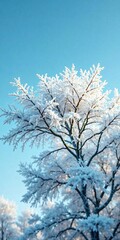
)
(95, 235)
(2, 231)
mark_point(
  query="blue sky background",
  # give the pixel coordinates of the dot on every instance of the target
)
(39, 36)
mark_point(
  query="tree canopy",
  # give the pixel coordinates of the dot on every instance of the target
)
(78, 122)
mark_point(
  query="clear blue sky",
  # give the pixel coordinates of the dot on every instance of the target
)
(39, 36)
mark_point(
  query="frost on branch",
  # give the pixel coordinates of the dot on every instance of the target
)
(86, 175)
(79, 123)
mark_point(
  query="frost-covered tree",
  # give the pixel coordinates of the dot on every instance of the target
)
(25, 222)
(8, 227)
(79, 124)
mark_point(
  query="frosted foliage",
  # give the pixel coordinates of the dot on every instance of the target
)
(8, 228)
(78, 169)
(7, 210)
(25, 221)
